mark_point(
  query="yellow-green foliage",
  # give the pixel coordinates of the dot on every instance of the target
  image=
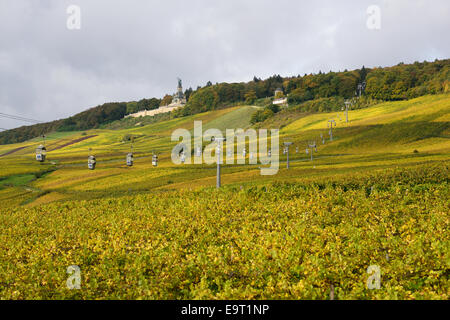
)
(380, 136)
(281, 241)
(377, 194)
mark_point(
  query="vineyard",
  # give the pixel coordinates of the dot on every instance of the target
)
(280, 241)
(377, 195)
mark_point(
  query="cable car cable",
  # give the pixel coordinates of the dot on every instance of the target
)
(19, 118)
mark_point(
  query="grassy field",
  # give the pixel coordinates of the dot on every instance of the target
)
(390, 134)
(376, 194)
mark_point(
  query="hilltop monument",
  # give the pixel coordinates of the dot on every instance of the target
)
(179, 99)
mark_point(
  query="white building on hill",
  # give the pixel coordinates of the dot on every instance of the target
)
(280, 99)
(178, 101)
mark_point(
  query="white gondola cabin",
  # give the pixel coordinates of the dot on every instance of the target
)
(155, 160)
(91, 162)
(130, 159)
(41, 153)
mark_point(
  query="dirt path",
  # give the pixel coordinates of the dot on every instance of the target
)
(57, 148)
(12, 151)
(73, 142)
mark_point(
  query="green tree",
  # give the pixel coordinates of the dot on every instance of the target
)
(132, 107)
(166, 100)
(261, 115)
(188, 93)
(148, 104)
(203, 100)
(274, 108)
(250, 97)
(362, 73)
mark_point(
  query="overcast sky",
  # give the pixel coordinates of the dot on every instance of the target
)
(132, 49)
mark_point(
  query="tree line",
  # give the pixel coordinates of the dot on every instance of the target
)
(400, 82)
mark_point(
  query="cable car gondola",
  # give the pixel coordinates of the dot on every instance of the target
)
(91, 162)
(155, 160)
(130, 159)
(41, 153)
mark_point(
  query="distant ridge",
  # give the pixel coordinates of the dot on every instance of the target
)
(400, 82)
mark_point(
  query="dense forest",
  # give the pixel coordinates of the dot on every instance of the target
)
(392, 83)
(314, 92)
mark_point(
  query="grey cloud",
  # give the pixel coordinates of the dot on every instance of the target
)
(128, 50)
